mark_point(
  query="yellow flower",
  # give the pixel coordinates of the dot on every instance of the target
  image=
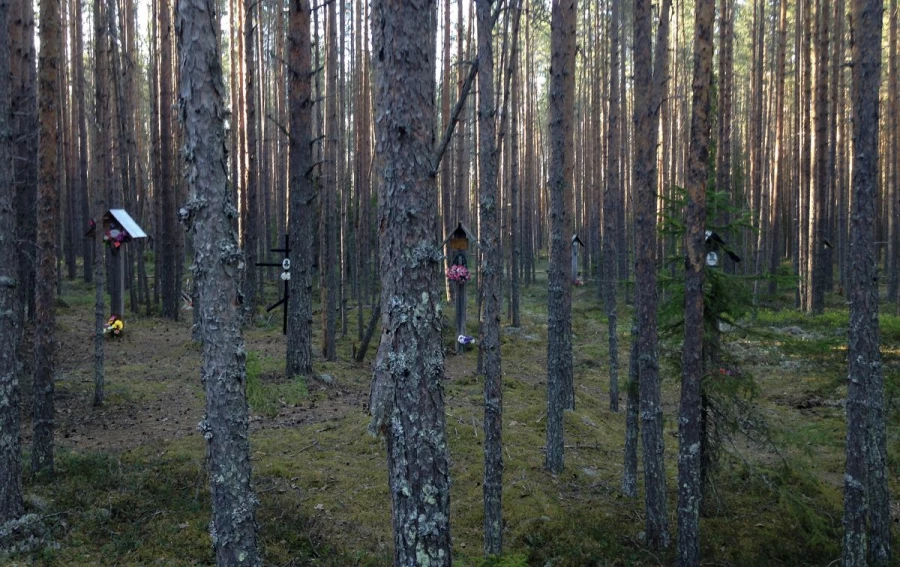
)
(118, 325)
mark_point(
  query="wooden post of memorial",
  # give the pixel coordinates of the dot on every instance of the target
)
(459, 275)
(119, 229)
(576, 242)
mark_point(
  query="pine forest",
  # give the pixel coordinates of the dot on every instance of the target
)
(498, 283)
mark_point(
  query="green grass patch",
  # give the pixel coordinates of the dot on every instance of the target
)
(267, 388)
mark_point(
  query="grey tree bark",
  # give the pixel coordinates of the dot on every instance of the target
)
(329, 188)
(490, 273)
(407, 403)
(25, 144)
(818, 225)
(560, 391)
(217, 269)
(302, 194)
(102, 169)
(166, 246)
(689, 428)
(250, 227)
(650, 81)
(48, 213)
(10, 321)
(611, 194)
(865, 478)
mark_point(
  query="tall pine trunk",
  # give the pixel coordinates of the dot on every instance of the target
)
(611, 194)
(407, 402)
(11, 506)
(650, 80)
(689, 427)
(301, 224)
(560, 392)
(490, 273)
(48, 213)
(217, 258)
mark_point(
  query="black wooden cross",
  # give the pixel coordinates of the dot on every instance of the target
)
(285, 265)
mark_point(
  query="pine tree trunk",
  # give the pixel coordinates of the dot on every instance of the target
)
(689, 428)
(217, 268)
(865, 481)
(329, 189)
(25, 145)
(48, 213)
(893, 139)
(612, 192)
(166, 247)
(102, 167)
(302, 215)
(818, 197)
(560, 392)
(489, 276)
(11, 506)
(514, 190)
(250, 226)
(778, 190)
(407, 402)
(649, 88)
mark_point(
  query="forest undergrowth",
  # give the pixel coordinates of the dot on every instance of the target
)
(131, 489)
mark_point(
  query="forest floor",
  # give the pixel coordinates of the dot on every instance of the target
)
(130, 486)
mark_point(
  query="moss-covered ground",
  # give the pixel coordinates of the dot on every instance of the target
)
(130, 486)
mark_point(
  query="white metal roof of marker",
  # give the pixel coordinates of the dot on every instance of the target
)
(128, 223)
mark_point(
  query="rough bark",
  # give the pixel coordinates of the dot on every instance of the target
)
(11, 506)
(560, 392)
(818, 205)
(48, 212)
(689, 427)
(102, 168)
(166, 248)
(302, 196)
(778, 189)
(489, 275)
(250, 225)
(329, 188)
(514, 188)
(25, 144)
(217, 269)
(407, 401)
(611, 193)
(650, 82)
(865, 479)
(893, 137)
(632, 418)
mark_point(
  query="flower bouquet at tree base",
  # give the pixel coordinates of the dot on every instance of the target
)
(114, 327)
(458, 274)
